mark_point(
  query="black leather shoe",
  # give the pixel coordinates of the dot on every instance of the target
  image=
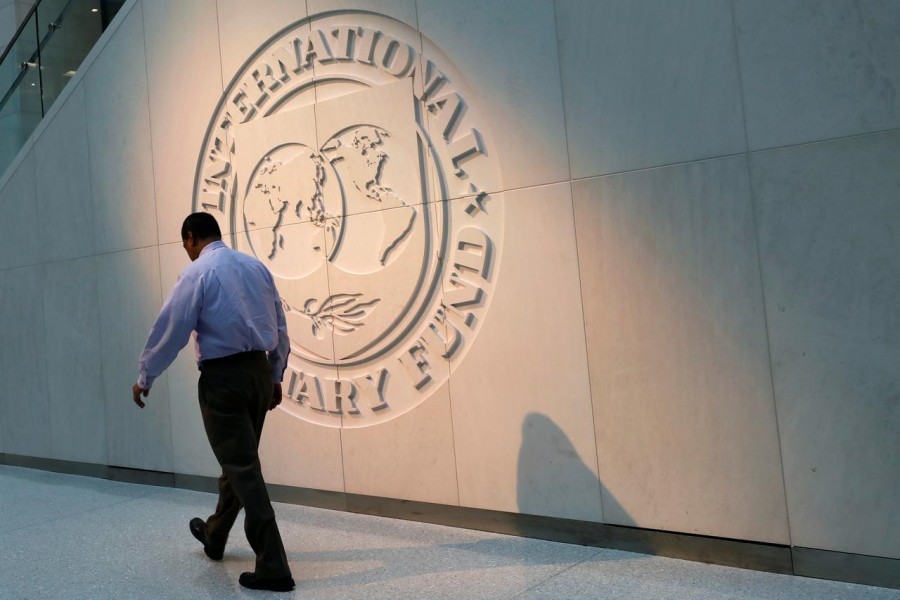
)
(272, 584)
(199, 531)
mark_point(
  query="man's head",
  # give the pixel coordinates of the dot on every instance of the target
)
(198, 230)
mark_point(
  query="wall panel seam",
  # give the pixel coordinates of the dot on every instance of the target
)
(587, 356)
(40, 278)
(762, 284)
(150, 123)
(162, 291)
(827, 140)
(562, 90)
(101, 354)
(427, 206)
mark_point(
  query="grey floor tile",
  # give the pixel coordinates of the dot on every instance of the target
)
(614, 575)
(79, 538)
(29, 497)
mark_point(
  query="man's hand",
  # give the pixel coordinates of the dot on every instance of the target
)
(276, 397)
(138, 392)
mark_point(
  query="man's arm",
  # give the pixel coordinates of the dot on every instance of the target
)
(169, 334)
(278, 357)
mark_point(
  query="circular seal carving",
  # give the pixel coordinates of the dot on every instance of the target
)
(350, 156)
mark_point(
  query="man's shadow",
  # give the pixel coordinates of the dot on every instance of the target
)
(553, 480)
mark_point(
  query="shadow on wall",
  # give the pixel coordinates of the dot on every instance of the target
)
(553, 480)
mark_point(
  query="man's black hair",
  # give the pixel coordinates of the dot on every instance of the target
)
(202, 225)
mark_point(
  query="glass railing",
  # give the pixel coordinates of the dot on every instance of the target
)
(40, 59)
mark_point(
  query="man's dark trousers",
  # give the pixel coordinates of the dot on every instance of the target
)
(235, 393)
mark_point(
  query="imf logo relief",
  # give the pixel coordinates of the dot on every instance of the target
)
(348, 156)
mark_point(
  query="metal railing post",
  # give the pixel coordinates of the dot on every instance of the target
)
(37, 31)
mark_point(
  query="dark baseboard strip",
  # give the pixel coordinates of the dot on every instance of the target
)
(127, 475)
(807, 562)
(277, 493)
(852, 568)
(308, 497)
(197, 483)
(732, 553)
(67, 467)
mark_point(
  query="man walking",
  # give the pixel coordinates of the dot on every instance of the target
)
(229, 299)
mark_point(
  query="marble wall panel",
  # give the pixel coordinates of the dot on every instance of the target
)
(506, 53)
(384, 293)
(118, 119)
(388, 113)
(829, 230)
(522, 413)
(129, 284)
(383, 307)
(243, 31)
(402, 10)
(74, 361)
(64, 185)
(19, 243)
(287, 140)
(191, 452)
(244, 27)
(185, 83)
(409, 457)
(357, 92)
(412, 455)
(23, 363)
(680, 376)
(299, 453)
(301, 276)
(10, 127)
(817, 70)
(302, 446)
(648, 83)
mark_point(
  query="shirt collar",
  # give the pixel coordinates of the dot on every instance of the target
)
(212, 246)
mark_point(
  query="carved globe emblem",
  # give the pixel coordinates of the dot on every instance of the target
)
(354, 166)
(291, 184)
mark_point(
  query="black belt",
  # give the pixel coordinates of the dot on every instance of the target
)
(233, 359)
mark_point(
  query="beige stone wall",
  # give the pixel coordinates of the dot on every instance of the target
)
(689, 321)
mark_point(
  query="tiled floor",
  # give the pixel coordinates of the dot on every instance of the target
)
(70, 538)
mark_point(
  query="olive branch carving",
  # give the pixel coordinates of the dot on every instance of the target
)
(341, 313)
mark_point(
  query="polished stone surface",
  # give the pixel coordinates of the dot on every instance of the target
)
(686, 431)
(118, 133)
(178, 34)
(63, 201)
(506, 52)
(101, 539)
(828, 220)
(410, 457)
(242, 30)
(18, 217)
(24, 406)
(402, 10)
(75, 383)
(517, 444)
(798, 87)
(648, 83)
(129, 285)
